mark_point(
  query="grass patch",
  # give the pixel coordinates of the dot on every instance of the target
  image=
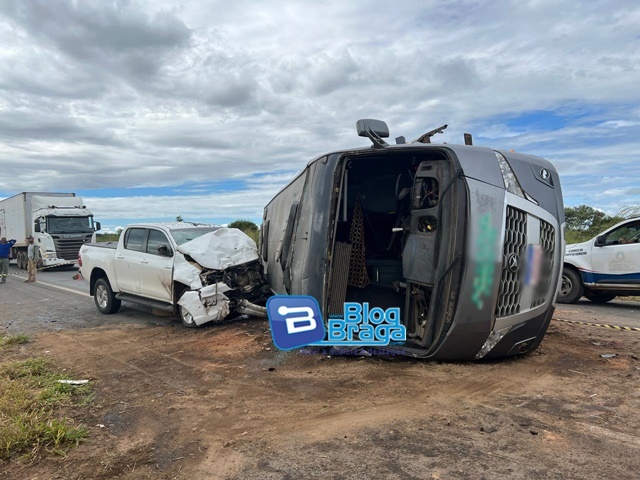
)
(13, 340)
(30, 402)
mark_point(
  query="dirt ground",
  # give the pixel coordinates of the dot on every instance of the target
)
(223, 402)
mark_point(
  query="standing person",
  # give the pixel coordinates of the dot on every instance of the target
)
(33, 255)
(5, 249)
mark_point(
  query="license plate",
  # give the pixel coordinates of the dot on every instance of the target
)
(533, 264)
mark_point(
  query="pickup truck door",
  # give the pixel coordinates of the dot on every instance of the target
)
(126, 261)
(156, 267)
(617, 262)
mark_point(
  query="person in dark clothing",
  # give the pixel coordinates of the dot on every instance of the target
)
(5, 250)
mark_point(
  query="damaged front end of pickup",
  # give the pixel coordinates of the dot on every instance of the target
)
(221, 276)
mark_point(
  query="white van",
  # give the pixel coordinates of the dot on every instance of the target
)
(604, 267)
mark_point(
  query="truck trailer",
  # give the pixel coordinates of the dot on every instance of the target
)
(466, 241)
(59, 222)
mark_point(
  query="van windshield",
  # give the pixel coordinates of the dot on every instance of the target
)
(184, 235)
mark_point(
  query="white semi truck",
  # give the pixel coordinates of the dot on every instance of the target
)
(59, 222)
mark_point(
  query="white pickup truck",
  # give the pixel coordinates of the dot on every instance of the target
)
(604, 267)
(200, 272)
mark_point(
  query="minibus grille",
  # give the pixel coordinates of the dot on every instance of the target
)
(548, 244)
(515, 243)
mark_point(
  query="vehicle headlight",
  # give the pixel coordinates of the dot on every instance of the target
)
(492, 340)
(510, 181)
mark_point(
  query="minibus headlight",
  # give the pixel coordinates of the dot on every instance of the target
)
(510, 181)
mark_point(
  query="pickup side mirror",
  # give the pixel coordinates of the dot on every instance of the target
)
(165, 251)
(36, 227)
(600, 241)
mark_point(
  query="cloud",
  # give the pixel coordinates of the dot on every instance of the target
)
(118, 35)
(128, 95)
(247, 202)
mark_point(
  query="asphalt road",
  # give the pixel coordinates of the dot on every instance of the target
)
(59, 276)
(619, 313)
(58, 302)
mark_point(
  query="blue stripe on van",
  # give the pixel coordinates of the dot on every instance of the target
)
(624, 278)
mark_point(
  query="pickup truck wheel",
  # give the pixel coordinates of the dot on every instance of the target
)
(106, 301)
(571, 288)
(600, 297)
(187, 318)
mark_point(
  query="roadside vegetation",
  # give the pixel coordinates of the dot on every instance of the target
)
(248, 227)
(6, 342)
(107, 237)
(32, 402)
(585, 222)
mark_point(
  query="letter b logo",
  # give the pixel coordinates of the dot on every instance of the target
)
(295, 321)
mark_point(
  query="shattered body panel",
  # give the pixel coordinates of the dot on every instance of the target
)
(225, 260)
(207, 304)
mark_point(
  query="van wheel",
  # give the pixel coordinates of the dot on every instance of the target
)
(571, 288)
(600, 297)
(106, 301)
(186, 317)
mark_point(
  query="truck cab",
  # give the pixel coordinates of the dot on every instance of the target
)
(604, 267)
(59, 222)
(62, 230)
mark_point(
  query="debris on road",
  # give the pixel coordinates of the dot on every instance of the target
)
(609, 355)
(73, 382)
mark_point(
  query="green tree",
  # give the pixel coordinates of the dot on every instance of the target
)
(244, 225)
(248, 227)
(179, 218)
(583, 217)
(584, 222)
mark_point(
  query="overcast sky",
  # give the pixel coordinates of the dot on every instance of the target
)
(206, 108)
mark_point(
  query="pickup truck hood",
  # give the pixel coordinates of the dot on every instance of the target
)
(220, 249)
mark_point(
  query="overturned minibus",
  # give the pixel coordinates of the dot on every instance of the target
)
(467, 241)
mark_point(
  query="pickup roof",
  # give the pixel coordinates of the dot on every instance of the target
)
(604, 267)
(200, 272)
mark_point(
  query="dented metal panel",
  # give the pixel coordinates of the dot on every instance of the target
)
(221, 249)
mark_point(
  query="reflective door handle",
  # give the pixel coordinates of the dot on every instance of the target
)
(144, 261)
(120, 257)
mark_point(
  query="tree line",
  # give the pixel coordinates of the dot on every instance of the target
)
(584, 222)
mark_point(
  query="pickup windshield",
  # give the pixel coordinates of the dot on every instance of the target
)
(59, 225)
(184, 235)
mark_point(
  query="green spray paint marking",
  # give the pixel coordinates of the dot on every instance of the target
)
(485, 260)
